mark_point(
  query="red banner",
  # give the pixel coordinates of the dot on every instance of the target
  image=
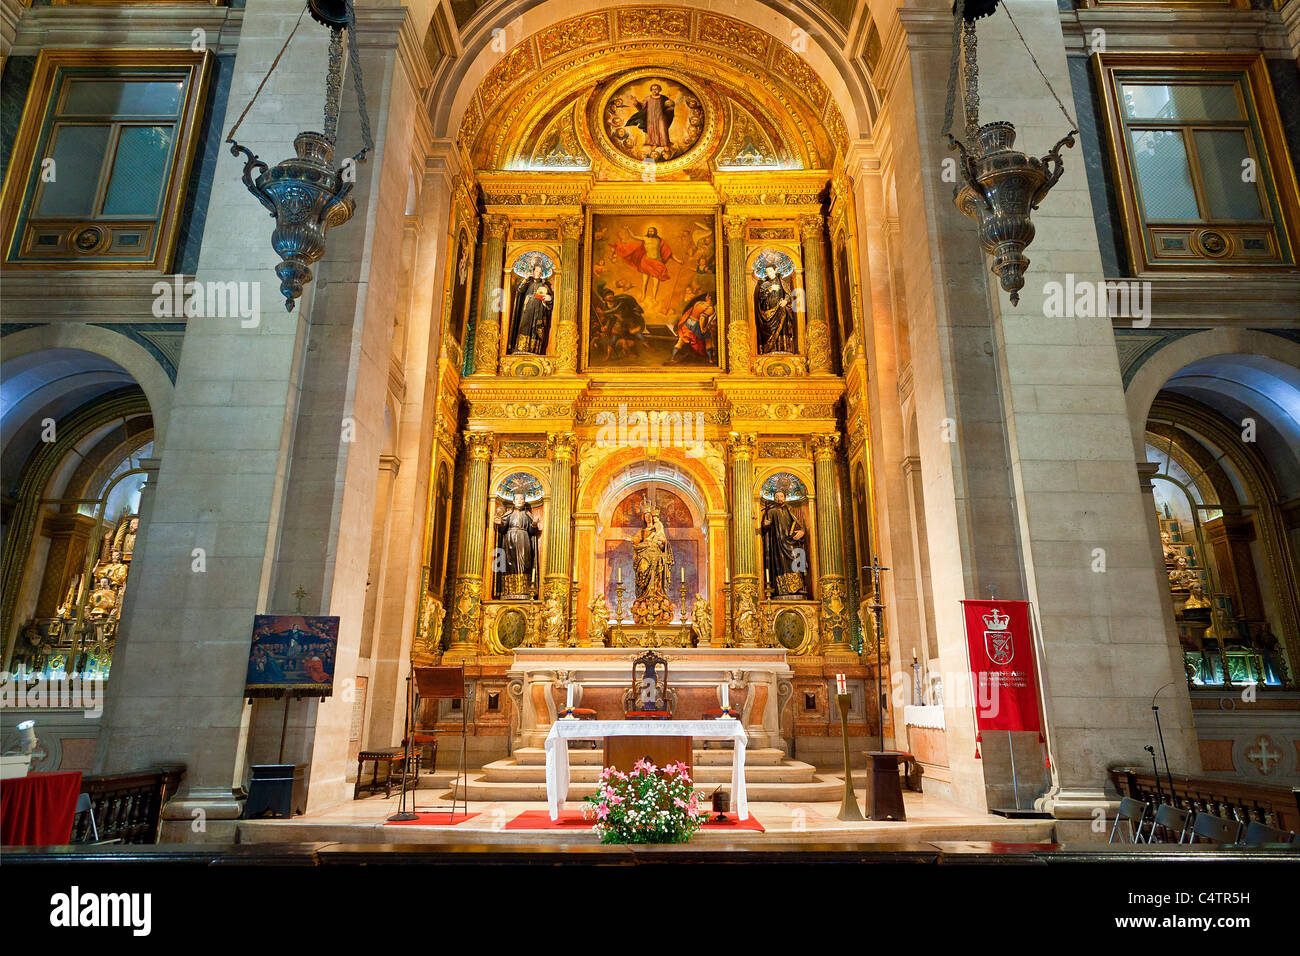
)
(1001, 646)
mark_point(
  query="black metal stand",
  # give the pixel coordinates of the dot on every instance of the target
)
(1155, 709)
(404, 815)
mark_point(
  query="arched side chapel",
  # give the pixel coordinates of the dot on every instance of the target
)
(654, 159)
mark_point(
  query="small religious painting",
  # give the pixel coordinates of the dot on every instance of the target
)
(784, 531)
(775, 304)
(460, 285)
(653, 118)
(532, 300)
(654, 291)
(292, 652)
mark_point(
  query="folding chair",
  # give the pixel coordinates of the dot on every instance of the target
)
(1215, 829)
(84, 806)
(1257, 832)
(1171, 820)
(1133, 812)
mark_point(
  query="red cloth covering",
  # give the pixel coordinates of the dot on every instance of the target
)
(38, 809)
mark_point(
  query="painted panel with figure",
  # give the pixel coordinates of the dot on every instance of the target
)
(653, 292)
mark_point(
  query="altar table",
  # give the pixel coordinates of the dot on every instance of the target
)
(562, 731)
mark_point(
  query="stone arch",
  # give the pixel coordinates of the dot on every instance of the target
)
(130, 356)
(854, 100)
(592, 489)
(1168, 361)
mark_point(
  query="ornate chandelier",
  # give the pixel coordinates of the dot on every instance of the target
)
(305, 194)
(1001, 185)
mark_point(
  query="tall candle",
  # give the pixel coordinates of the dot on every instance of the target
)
(620, 575)
(568, 700)
(683, 575)
(726, 700)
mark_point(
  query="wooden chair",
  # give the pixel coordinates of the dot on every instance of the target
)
(1214, 829)
(1169, 820)
(1132, 812)
(1257, 832)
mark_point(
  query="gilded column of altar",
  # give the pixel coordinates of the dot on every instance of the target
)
(746, 618)
(467, 609)
(830, 551)
(738, 347)
(559, 541)
(491, 296)
(566, 333)
(814, 289)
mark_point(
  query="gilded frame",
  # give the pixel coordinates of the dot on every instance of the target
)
(19, 183)
(688, 373)
(1267, 130)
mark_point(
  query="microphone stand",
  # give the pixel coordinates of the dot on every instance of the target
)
(1159, 790)
(1160, 733)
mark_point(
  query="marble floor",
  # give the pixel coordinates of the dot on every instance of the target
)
(929, 818)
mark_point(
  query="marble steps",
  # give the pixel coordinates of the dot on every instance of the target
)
(818, 789)
(712, 757)
(790, 771)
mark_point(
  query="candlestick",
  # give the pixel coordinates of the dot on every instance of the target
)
(568, 700)
(618, 602)
(682, 589)
(726, 699)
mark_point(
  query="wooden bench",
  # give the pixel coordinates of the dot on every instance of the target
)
(393, 758)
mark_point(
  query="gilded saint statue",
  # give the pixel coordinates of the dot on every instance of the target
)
(774, 314)
(515, 561)
(652, 563)
(530, 313)
(784, 556)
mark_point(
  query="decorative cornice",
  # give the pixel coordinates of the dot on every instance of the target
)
(1156, 28)
(96, 26)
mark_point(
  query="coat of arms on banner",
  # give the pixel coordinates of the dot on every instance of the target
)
(998, 642)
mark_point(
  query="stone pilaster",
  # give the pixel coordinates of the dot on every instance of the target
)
(744, 560)
(740, 352)
(487, 332)
(559, 539)
(467, 607)
(831, 585)
(814, 289)
(566, 332)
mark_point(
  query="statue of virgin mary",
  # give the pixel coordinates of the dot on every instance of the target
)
(652, 563)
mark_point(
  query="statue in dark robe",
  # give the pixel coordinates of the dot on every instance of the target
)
(530, 314)
(516, 555)
(774, 313)
(784, 557)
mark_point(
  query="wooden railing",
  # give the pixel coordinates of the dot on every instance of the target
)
(128, 806)
(1243, 802)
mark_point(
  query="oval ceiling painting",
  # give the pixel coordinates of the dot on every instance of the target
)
(652, 117)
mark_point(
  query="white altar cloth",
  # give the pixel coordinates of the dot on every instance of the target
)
(562, 731)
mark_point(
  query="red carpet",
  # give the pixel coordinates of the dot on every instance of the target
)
(573, 820)
(434, 819)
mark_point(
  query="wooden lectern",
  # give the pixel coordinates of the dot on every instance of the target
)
(448, 683)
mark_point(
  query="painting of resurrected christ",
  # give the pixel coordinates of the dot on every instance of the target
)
(653, 291)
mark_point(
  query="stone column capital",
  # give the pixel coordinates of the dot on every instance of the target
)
(571, 227)
(741, 446)
(479, 445)
(495, 225)
(734, 226)
(561, 446)
(1146, 471)
(826, 447)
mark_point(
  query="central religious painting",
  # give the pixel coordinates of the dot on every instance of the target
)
(653, 297)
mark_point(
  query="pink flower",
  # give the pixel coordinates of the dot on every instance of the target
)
(679, 802)
(602, 812)
(615, 799)
(644, 764)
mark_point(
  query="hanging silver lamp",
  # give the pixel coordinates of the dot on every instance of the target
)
(1000, 185)
(305, 194)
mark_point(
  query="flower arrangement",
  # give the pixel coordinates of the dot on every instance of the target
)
(648, 805)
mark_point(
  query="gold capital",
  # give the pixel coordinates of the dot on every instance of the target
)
(495, 225)
(479, 445)
(735, 226)
(810, 225)
(826, 446)
(570, 227)
(741, 446)
(561, 446)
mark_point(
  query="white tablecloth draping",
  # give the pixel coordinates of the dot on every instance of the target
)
(562, 731)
